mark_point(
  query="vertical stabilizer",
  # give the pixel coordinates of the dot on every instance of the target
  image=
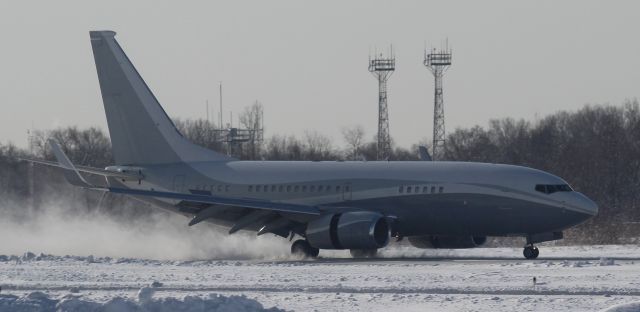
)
(141, 132)
(424, 153)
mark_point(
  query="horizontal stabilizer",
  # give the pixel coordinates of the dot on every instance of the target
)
(90, 170)
(72, 174)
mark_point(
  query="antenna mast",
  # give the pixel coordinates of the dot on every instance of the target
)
(438, 61)
(382, 67)
(220, 124)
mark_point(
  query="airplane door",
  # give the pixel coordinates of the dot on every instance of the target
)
(178, 183)
(346, 191)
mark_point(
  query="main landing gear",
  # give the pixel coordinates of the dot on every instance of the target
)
(530, 251)
(301, 248)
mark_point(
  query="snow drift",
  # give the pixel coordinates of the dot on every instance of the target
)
(40, 302)
(625, 307)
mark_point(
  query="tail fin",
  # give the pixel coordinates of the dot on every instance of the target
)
(424, 153)
(141, 132)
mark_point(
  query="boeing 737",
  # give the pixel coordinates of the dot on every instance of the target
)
(355, 205)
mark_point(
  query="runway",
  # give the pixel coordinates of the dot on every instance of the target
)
(570, 279)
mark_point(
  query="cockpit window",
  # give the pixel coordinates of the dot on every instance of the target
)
(552, 188)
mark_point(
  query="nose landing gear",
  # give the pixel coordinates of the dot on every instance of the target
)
(531, 252)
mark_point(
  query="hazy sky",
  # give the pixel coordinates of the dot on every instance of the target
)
(307, 61)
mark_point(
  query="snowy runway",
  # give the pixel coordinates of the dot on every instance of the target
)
(486, 279)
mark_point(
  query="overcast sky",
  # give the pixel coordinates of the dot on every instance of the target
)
(307, 61)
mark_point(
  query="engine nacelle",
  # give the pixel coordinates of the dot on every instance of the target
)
(446, 241)
(349, 230)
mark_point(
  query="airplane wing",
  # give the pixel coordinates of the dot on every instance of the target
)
(223, 201)
(73, 176)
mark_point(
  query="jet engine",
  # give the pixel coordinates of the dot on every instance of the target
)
(447, 242)
(349, 230)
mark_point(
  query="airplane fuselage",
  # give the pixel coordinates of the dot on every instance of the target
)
(425, 198)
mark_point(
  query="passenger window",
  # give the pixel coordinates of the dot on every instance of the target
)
(304, 188)
(288, 188)
(312, 188)
(319, 188)
(408, 189)
(424, 189)
(227, 188)
(338, 188)
(280, 188)
(346, 188)
(273, 188)
(297, 188)
(220, 188)
(400, 189)
(257, 188)
(250, 188)
(441, 189)
(433, 190)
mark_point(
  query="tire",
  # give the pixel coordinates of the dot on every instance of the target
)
(302, 249)
(530, 252)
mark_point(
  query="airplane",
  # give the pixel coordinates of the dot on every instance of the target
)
(354, 205)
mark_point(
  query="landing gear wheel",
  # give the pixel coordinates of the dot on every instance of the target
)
(302, 249)
(531, 252)
(363, 253)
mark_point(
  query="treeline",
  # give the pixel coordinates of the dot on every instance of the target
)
(596, 149)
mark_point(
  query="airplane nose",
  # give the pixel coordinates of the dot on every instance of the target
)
(586, 204)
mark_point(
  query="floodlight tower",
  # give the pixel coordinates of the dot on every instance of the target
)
(438, 61)
(382, 67)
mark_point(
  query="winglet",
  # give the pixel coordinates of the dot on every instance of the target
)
(424, 153)
(72, 174)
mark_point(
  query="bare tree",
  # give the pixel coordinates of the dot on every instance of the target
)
(354, 137)
(318, 147)
(201, 132)
(89, 146)
(251, 119)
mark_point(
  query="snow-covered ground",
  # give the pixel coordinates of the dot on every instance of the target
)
(404, 279)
